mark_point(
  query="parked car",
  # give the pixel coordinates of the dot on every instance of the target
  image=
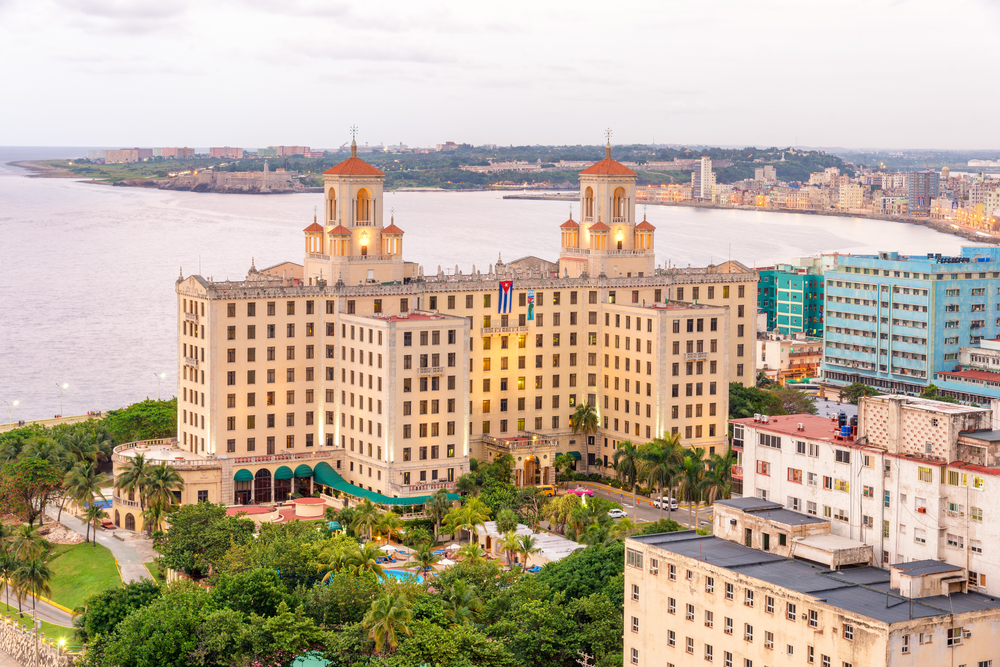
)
(617, 513)
(581, 491)
(547, 490)
(657, 502)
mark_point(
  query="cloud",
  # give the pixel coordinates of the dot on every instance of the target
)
(123, 17)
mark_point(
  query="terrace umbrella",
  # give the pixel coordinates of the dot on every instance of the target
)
(446, 562)
(387, 548)
(453, 546)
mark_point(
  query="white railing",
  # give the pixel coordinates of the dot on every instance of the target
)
(576, 251)
(489, 331)
(370, 258)
(118, 500)
(190, 361)
(431, 370)
(695, 355)
(316, 255)
(191, 317)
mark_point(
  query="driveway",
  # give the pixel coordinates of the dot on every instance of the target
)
(646, 512)
(46, 611)
(130, 553)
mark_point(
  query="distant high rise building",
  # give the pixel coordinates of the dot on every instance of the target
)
(121, 156)
(702, 180)
(95, 154)
(922, 186)
(226, 152)
(765, 173)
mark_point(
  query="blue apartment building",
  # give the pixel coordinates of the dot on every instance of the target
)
(792, 299)
(893, 321)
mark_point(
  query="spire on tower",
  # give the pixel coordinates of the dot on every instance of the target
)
(607, 148)
(354, 141)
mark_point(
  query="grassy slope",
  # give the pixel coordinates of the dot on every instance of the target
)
(79, 570)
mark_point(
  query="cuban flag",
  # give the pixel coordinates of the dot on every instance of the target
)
(506, 296)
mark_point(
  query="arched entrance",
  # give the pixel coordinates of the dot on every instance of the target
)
(531, 471)
(303, 480)
(129, 522)
(262, 486)
(117, 519)
(242, 486)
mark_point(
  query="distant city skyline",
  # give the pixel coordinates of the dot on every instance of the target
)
(893, 74)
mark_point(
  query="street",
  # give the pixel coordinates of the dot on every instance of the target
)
(645, 512)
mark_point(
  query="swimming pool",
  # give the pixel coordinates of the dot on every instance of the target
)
(103, 504)
(402, 575)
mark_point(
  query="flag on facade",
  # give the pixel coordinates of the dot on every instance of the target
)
(531, 305)
(506, 296)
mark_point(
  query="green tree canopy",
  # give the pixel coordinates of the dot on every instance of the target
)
(102, 612)
(199, 536)
(748, 401)
(853, 392)
(26, 486)
(145, 420)
(795, 402)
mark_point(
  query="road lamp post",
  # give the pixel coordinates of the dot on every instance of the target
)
(159, 377)
(62, 386)
(10, 409)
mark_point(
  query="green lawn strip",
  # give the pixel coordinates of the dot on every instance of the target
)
(80, 570)
(51, 630)
(154, 572)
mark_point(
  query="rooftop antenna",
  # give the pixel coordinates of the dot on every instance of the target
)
(607, 149)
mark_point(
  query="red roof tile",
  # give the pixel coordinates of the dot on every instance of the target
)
(392, 229)
(339, 230)
(643, 226)
(607, 167)
(314, 227)
(570, 224)
(973, 375)
(599, 227)
(354, 166)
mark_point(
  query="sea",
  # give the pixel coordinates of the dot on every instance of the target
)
(87, 271)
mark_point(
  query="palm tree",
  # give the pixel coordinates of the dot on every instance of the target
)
(692, 474)
(562, 462)
(389, 526)
(131, 478)
(388, 617)
(462, 603)
(7, 566)
(436, 508)
(527, 547)
(585, 419)
(626, 463)
(471, 552)
(331, 561)
(93, 514)
(162, 481)
(82, 483)
(466, 484)
(660, 466)
(32, 577)
(27, 544)
(718, 481)
(509, 543)
(153, 517)
(366, 517)
(424, 557)
(365, 559)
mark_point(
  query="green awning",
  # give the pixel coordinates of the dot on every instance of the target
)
(327, 476)
(303, 471)
(243, 475)
(284, 472)
(574, 455)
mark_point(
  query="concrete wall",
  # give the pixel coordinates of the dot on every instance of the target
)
(20, 645)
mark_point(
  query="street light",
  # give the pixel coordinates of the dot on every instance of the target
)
(62, 386)
(158, 378)
(10, 407)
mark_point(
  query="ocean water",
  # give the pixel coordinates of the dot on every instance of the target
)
(87, 271)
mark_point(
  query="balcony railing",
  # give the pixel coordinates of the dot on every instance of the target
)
(371, 258)
(490, 331)
(316, 255)
(690, 356)
(190, 361)
(214, 462)
(407, 489)
(575, 251)
(191, 317)
(431, 370)
(618, 219)
(521, 442)
(737, 472)
(125, 502)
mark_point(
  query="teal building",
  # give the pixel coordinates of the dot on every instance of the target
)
(792, 298)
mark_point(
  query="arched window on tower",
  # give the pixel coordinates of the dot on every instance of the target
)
(331, 206)
(619, 206)
(588, 204)
(365, 208)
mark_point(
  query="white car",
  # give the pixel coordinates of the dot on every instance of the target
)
(661, 501)
(617, 513)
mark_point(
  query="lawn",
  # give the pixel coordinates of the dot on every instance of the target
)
(51, 630)
(79, 570)
(154, 572)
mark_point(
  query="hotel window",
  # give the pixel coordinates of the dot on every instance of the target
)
(635, 656)
(727, 625)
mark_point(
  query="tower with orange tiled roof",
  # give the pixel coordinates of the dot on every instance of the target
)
(351, 245)
(606, 239)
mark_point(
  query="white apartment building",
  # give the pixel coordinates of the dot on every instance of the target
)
(915, 479)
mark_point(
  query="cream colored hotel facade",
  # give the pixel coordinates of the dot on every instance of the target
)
(357, 362)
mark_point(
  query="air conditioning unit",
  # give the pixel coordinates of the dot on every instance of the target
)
(765, 419)
(966, 634)
(756, 416)
(802, 426)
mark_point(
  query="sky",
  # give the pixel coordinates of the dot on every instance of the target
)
(844, 73)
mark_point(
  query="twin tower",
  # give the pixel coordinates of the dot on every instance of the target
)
(353, 246)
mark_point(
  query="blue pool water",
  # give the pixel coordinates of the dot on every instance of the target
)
(103, 504)
(402, 574)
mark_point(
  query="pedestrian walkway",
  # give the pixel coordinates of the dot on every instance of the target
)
(130, 554)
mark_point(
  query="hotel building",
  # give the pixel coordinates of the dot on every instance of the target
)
(361, 373)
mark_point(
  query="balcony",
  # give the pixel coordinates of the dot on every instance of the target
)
(575, 251)
(691, 356)
(737, 472)
(427, 488)
(618, 219)
(431, 370)
(371, 258)
(316, 255)
(191, 317)
(124, 502)
(492, 331)
(190, 361)
(521, 442)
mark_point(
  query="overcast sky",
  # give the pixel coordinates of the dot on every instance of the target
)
(115, 73)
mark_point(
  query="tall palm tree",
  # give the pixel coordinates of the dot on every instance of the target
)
(718, 481)
(660, 466)
(477, 513)
(424, 557)
(436, 508)
(388, 617)
(389, 526)
(93, 514)
(8, 564)
(365, 559)
(332, 560)
(585, 419)
(152, 518)
(131, 478)
(527, 547)
(509, 545)
(466, 484)
(161, 482)
(462, 603)
(692, 474)
(626, 462)
(27, 544)
(32, 577)
(83, 483)
(366, 517)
